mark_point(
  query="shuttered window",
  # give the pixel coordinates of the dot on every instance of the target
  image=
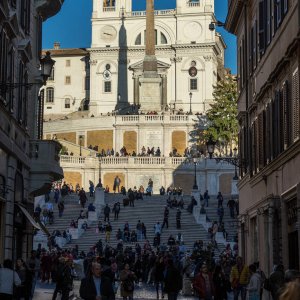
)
(296, 106)
(261, 142)
(286, 115)
(261, 27)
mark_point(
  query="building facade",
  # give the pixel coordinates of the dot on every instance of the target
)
(190, 60)
(28, 165)
(268, 80)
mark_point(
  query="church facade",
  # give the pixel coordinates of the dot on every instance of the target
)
(108, 112)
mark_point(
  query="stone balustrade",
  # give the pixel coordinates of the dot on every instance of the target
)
(165, 119)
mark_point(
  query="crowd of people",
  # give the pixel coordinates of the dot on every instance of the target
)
(167, 268)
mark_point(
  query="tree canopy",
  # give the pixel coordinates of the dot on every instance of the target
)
(222, 123)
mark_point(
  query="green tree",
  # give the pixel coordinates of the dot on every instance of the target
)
(222, 123)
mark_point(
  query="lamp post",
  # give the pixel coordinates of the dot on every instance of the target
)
(47, 64)
(80, 144)
(233, 160)
(191, 95)
(195, 186)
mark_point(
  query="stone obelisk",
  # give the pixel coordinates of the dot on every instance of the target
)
(150, 82)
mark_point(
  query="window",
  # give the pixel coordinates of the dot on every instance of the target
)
(107, 86)
(68, 80)
(193, 84)
(51, 77)
(138, 40)
(50, 95)
(25, 15)
(67, 103)
(68, 63)
(163, 39)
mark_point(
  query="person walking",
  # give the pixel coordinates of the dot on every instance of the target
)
(24, 290)
(276, 281)
(158, 274)
(206, 198)
(220, 214)
(106, 212)
(239, 279)
(127, 278)
(220, 199)
(96, 285)
(91, 188)
(116, 209)
(9, 280)
(254, 284)
(166, 218)
(82, 197)
(108, 230)
(220, 284)
(34, 264)
(172, 281)
(231, 204)
(56, 195)
(116, 186)
(203, 284)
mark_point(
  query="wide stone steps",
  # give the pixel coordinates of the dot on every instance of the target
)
(149, 211)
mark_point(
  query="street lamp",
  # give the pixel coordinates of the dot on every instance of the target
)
(195, 186)
(47, 64)
(233, 160)
(191, 95)
(80, 144)
(212, 25)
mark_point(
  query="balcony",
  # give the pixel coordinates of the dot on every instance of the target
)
(48, 8)
(45, 165)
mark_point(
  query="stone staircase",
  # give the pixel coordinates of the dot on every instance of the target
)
(150, 210)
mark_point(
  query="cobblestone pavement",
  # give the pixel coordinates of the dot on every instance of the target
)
(44, 291)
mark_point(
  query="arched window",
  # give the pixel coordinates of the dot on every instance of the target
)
(163, 39)
(67, 103)
(50, 95)
(138, 40)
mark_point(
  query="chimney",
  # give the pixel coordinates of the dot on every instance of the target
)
(56, 45)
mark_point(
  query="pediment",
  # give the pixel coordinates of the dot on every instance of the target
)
(139, 65)
(24, 47)
(12, 25)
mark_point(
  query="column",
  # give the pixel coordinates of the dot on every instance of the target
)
(164, 90)
(136, 89)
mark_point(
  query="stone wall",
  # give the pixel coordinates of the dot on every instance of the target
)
(225, 184)
(130, 141)
(73, 177)
(185, 181)
(102, 138)
(68, 136)
(109, 180)
(179, 141)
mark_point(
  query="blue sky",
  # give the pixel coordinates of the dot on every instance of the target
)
(72, 27)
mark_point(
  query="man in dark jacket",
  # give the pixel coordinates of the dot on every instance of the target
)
(173, 281)
(96, 286)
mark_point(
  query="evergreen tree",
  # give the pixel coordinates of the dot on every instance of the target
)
(222, 123)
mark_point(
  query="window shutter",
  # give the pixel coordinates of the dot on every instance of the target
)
(268, 135)
(261, 28)
(296, 106)
(253, 143)
(286, 115)
(257, 146)
(260, 139)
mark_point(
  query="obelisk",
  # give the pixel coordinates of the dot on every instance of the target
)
(150, 81)
(150, 61)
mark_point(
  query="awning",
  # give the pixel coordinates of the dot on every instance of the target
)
(29, 217)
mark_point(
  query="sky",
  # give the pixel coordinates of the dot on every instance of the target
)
(72, 26)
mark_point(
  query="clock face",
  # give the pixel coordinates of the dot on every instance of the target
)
(108, 33)
(192, 30)
(106, 75)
